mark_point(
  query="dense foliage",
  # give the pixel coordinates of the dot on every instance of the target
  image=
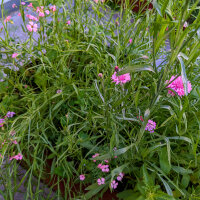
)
(110, 96)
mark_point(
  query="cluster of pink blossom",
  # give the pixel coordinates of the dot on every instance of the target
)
(122, 79)
(16, 157)
(176, 84)
(53, 8)
(31, 26)
(120, 176)
(104, 168)
(114, 183)
(151, 126)
(94, 156)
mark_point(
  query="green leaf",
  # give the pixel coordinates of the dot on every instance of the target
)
(184, 76)
(136, 99)
(186, 139)
(146, 177)
(136, 68)
(181, 170)
(128, 195)
(167, 187)
(59, 171)
(185, 180)
(157, 7)
(164, 160)
(116, 153)
(95, 189)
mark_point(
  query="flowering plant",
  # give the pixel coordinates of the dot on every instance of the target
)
(104, 98)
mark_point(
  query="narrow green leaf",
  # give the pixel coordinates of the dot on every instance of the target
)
(181, 170)
(183, 74)
(164, 162)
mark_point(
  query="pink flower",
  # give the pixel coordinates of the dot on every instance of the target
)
(145, 57)
(31, 27)
(47, 12)
(151, 126)
(68, 22)
(114, 184)
(23, 3)
(106, 161)
(101, 181)
(12, 133)
(2, 121)
(53, 8)
(131, 40)
(14, 142)
(58, 91)
(14, 5)
(94, 156)
(120, 176)
(30, 5)
(17, 157)
(19, 14)
(116, 68)
(141, 118)
(10, 114)
(96, 1)
(31, 17)
(105, 168)
(41, 14)
(40, 10)
(121, 78)
(185, 25)
(100, 75)
(8, 18)
(99, 166)
(177, 86)
(14, 55)
(82, 177)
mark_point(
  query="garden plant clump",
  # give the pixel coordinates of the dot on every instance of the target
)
(101, 98)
